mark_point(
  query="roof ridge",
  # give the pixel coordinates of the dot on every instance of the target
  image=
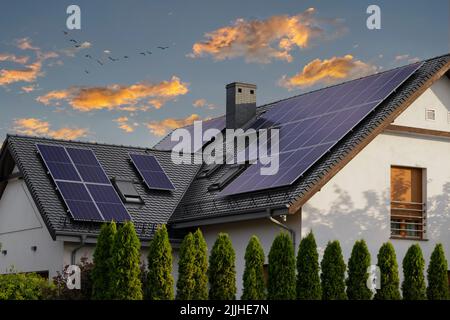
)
(84, 142)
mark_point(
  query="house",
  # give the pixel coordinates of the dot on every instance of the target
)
(380, 173)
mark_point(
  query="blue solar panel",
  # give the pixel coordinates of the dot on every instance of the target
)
(216, 123)
(78, 201)
(83, 184)
(151, 172)
(87, 165)
(311, 124)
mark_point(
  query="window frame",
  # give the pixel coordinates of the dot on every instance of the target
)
(395, 233)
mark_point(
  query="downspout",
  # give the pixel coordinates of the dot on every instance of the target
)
(74, 251)
(285, 227)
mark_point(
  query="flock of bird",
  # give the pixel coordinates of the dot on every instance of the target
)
(78, 44)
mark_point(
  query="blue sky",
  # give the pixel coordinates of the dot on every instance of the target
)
(410, 30)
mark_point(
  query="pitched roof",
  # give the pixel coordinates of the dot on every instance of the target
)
(201, 203)
(158, 205)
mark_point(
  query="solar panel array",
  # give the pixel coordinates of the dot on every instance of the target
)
(216, 123)
(313, 123)
(151, 172)
(83, 184)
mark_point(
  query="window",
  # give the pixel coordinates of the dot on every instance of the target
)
(430, 114)
(252, 91)
(208, 170)
(408, 211)
(448, 117)
(226, 178)
(127, 191)
(239, 90)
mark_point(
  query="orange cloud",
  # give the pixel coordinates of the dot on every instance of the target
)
(263, 40)
(28, 89)
(160, 128)
(25, 44)
(31, 71)
(202, 103)
(125, 125)
(33, 126)
(328, 71)
(116, 96)
(27, 74)
(13, 58)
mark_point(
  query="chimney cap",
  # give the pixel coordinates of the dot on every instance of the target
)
(241, 84)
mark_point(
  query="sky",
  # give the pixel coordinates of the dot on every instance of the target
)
(52, 86)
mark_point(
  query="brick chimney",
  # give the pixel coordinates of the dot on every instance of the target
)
(241, 104)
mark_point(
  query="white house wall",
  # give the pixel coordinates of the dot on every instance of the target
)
(240, 233)
(355, 204)
(22, 227)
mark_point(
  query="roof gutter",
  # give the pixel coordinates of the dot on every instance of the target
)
(244, 215)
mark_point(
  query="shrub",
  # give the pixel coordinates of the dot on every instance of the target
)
(85, 292)
(281, 282)
(186, 268)
(125, 273)
(333, 273)
(358, 264)
(222, 274)
(438, 275)
(102, 262)
(389, 282)
(413, 286)
(160, 280)
(201, 267)
(253, 278)
(25, 286)
(308, 279)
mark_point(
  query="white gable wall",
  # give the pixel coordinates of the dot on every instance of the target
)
(355, 204)
(21, 227)
(436, 98)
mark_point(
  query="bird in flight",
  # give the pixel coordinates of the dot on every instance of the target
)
(88, 56)
(65, 32)
(86, 71)
(163, 48)
(77, 45)
(112, 59)
(99, 62)
(73, 40)
(143, 53)
(125, 57)
(149, 52)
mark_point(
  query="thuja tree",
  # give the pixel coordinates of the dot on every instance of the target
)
(222, 273)
(308, 279)
(253, 279)
(160, 280)
(358, 264)
(201, 267)
(125, 272)
(186, 268)
(333, 273)
(101, 281)
(281, 282)
(438, 288)
(413, 286)
(389, 282)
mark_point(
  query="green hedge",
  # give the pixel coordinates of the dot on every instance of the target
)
(21, 286)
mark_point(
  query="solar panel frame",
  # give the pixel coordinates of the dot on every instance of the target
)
(74, 205)
(245, 183)
(143, 172)
(71, 205)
